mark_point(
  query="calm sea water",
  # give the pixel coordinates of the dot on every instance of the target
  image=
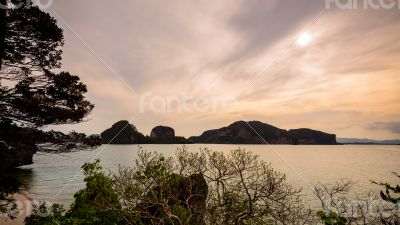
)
(56, 177)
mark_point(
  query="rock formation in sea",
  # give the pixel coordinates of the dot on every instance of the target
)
(122, 132)
(255, 132)
(240, 132)
(165, 135)
(162, 132)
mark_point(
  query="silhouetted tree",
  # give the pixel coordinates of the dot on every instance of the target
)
(30, 92)
(33, 90)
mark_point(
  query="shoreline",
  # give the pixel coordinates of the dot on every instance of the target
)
(24, 206)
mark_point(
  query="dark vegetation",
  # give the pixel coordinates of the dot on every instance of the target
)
(34, 92)
(212, 188)
(191, 188)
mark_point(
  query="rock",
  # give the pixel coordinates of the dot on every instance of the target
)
(165, 135)
(122, 132)
(14, 153)
(162, 132)
(255, 132)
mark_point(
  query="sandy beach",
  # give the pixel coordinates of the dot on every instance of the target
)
(24, 207)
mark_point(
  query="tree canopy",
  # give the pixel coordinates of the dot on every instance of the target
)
(34, 92)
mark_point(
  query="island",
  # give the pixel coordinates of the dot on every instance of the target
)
(240, 132)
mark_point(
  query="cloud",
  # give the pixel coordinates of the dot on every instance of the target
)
(393, 127)
(242, 49)
(264, 23)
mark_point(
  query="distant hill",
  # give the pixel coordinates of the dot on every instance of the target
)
(367, 141)
(256, 132)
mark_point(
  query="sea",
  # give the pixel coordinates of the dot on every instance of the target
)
(56, 177)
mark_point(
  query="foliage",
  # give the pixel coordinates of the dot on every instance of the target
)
(331, 218)
(95, 204)
(48, 216)
(33, 91)
(30, 93)
(244, 189)
(192, 188)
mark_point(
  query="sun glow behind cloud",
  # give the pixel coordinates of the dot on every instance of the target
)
(304, 39)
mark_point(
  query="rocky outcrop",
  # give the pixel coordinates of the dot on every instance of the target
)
(14, 153)
(15, 156)
(255, 132)
(162, 132)
(122, 132)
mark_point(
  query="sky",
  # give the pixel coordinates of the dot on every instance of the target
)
(199, 65)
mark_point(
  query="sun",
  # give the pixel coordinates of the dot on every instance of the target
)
(304, 39)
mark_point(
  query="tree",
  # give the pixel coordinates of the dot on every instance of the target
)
(31, 44)
(33, 91)
(244, 189)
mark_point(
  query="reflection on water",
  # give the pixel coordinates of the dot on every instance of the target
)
(11, 180)
(56, 177)
(24, 176)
